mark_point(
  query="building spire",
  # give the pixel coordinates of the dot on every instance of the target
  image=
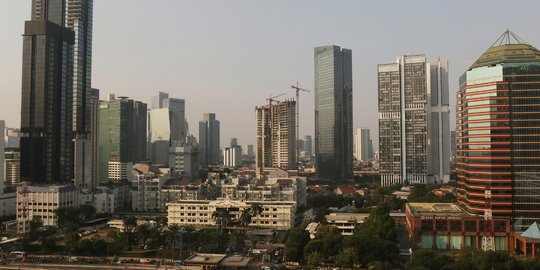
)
(508, 38)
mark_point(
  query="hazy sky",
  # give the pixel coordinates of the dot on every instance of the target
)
(228, 56)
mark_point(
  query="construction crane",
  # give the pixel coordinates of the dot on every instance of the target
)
(488, 240)
(271, 98)
(298, 89)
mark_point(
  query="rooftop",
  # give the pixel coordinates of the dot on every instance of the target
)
(435, 209)
(508, 48)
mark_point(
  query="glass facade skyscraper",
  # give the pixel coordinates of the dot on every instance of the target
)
(498, 131)
(47, 91)
(333, 113)
(209, 140)
(414, 135)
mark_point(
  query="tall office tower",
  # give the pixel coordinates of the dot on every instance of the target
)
(166, 126)
(118, 135)
(140, 115)
(300, 145)
(453, 148)
(209, 140)
(157, 101)
(414, 136)
(234, 142)
(276, 136)
(333, 113)
(498, 122)
(94, 138)
(247, 151)
(363, 149)
(47, 95)
(232, 156)
(2, 154)
(308, 145)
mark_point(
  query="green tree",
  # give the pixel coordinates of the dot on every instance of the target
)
(377, 265)
(296, 241)
(314, 260)
(346, 257)
(245, 217)
(379, 224)
(222, 217)
(427, 259)
(84, 247)
(256, 210)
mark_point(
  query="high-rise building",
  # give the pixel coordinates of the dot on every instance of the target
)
(12, 167)
(94, 137)
(333, 113)
(232, 156)
(308, 145)
(234, 142)
(167, 126)
(120, 133)
(47, 96)
(414, 135)
(248, 152)
(184, 161)
(140, 115)
(209, 140)
(2, 154)
(276, 136)
(498, 122)
(363, 149)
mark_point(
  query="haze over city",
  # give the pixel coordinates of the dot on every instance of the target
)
(228, 56)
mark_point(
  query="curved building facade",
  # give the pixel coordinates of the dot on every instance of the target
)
(498, 132)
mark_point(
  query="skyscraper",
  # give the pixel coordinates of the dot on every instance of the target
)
(362, 144)
(120, 133)
(2, 154)
(276, 136)
(167, 126)
(498, 112)
(209, 140)
(47, 96)
(333, 113)
(308, 145)
(414, 135)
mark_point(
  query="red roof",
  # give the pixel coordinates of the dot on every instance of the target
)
(347, 189)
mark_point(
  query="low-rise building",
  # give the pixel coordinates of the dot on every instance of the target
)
(41, 202)
(445, 226)
(346, 222)
(199, 213)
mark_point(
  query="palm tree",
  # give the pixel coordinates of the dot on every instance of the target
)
(130, 223)
(221, 216)
(256, 209)
(245, 217)
(172, 235)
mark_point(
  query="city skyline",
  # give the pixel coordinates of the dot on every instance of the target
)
(288, 62)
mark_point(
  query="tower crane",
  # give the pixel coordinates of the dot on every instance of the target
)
(297, 88)
(271, 98)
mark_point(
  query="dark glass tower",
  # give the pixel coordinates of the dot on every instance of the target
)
(333, 113)
(47, 91)
(498, 132)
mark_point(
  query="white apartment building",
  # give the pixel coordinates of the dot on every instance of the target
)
(40, 202)
(120, 170)
(198, 213)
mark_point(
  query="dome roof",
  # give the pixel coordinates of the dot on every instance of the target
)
(508, 48)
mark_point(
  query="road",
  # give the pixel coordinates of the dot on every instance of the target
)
(77, 267)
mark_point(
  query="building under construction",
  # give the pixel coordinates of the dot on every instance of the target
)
(276, 135)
